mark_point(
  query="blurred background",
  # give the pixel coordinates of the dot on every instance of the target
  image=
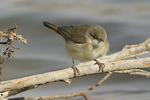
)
(126, 22)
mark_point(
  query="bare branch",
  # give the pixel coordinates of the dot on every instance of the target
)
(135, 72)
(81, 93)
(35, 80)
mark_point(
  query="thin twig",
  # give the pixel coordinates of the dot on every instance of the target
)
(85, 97)
(135, 72)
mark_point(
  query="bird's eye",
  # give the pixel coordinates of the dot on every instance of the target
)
(93, 36)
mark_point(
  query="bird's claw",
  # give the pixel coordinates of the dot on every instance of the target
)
(101, 65)
(76, 70)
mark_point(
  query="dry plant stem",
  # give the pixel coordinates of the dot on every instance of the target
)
(81, 93)
(1, 69)
(1, 61)
(11, 36)
(35, 80)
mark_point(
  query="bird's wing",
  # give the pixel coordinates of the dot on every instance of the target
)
(73, 33)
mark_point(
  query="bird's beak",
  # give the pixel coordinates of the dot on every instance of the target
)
(101, 40)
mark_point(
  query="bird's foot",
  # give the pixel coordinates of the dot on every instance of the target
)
(76, 70)
(101, 65)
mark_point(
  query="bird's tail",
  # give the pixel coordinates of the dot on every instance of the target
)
(50, 26)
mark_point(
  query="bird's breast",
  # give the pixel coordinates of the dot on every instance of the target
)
(85, 52)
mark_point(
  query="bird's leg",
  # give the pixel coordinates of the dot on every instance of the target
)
(75, 69)
(101, 65)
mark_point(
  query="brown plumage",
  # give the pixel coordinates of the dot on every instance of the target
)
(83, 43)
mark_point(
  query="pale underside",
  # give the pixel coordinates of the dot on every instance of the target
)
(86, 52)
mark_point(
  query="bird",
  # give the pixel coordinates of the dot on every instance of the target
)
(83, 43)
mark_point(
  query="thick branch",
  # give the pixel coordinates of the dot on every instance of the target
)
(81, 93)
(49, 77)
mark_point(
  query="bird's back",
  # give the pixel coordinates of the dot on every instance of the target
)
(69, 33)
